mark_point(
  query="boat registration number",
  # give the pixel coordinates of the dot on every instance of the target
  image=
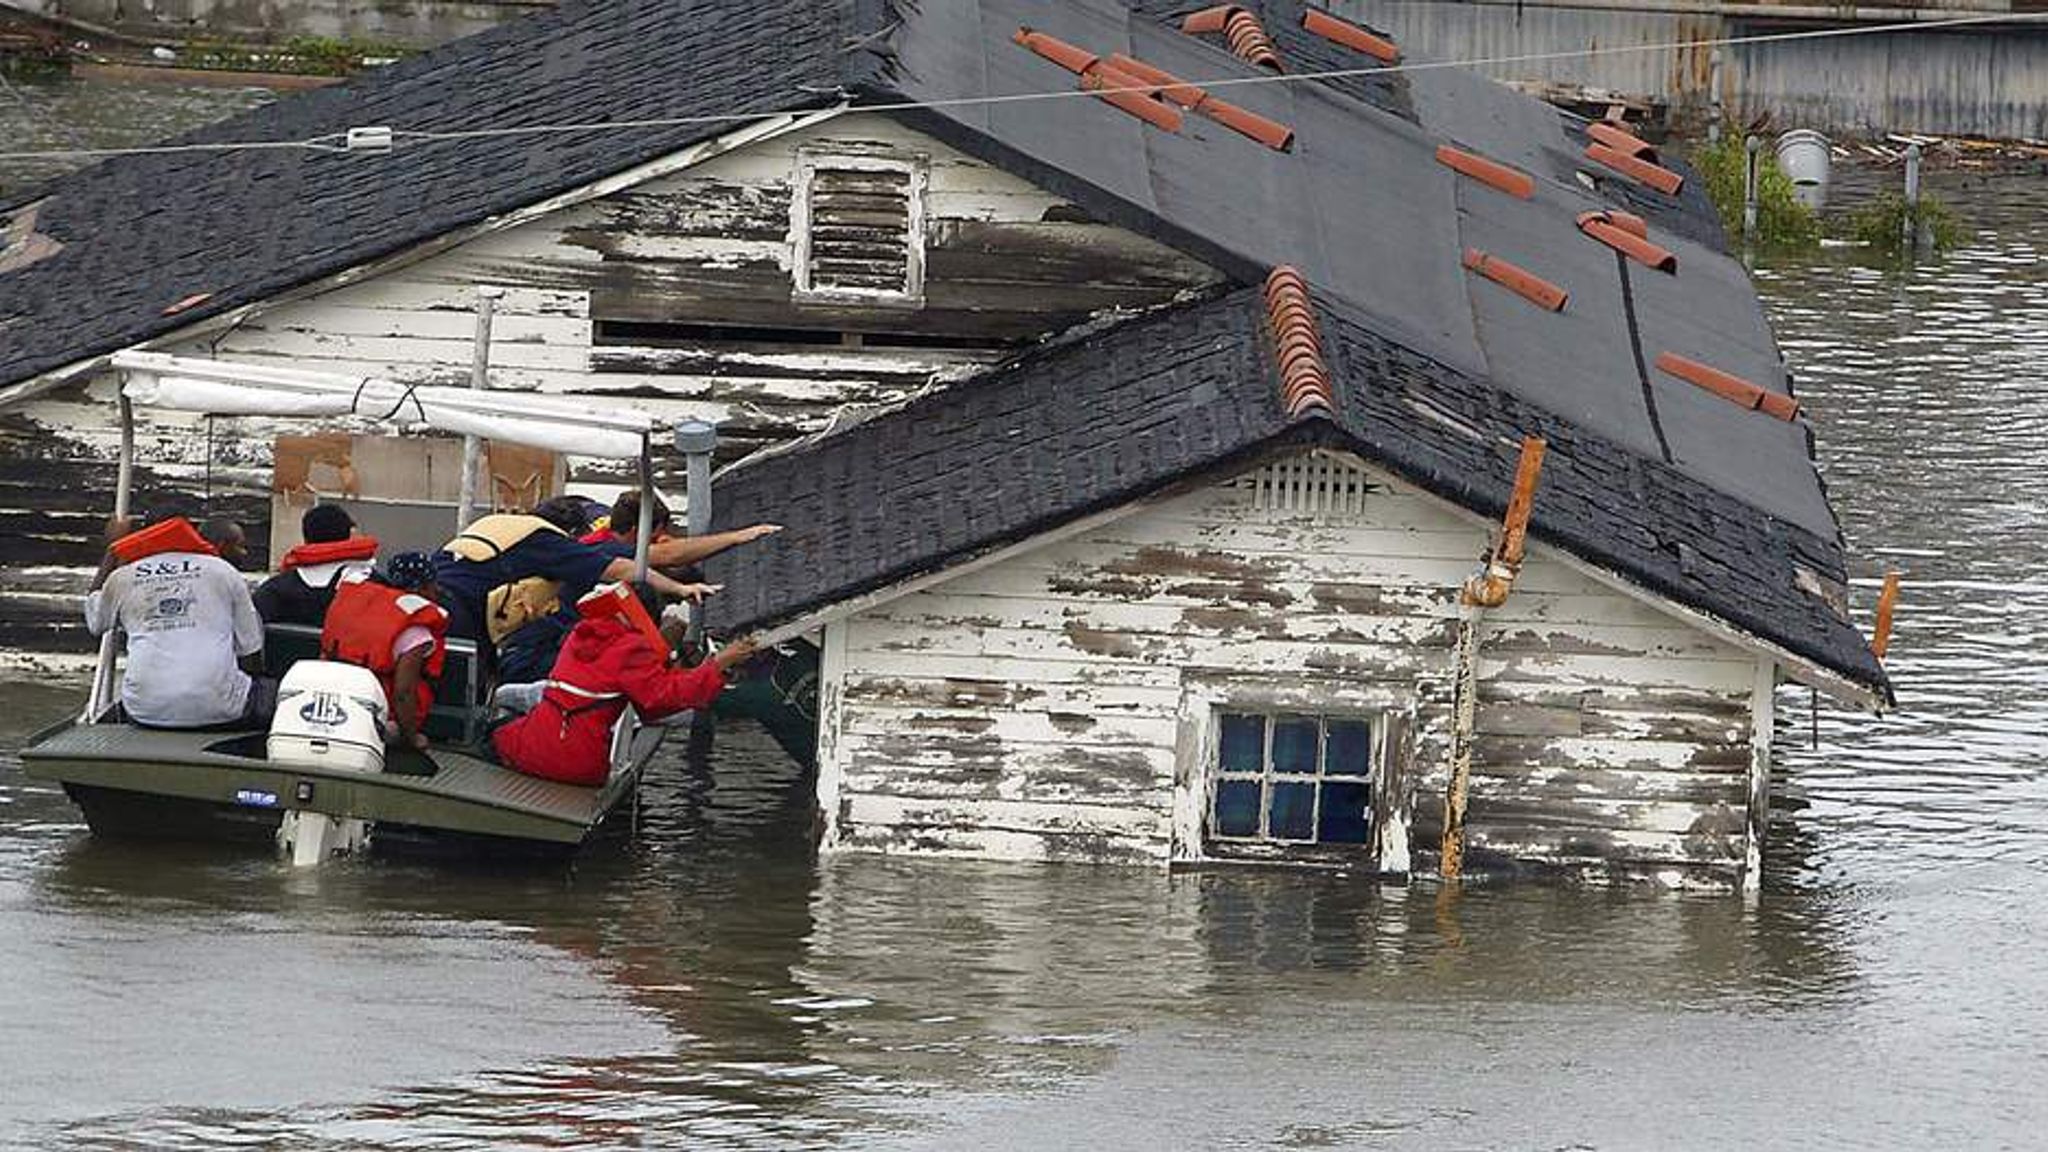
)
(255, 799)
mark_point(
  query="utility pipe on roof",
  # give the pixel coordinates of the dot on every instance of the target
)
(1486, 588)
(696, 440)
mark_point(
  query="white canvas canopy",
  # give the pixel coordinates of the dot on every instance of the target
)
(223, 388)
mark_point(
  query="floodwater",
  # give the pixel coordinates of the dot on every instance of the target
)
(713, 986)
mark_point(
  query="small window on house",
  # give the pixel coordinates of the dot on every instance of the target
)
(858, 226)
(1287, 779)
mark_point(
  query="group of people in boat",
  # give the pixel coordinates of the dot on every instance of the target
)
(555, 596)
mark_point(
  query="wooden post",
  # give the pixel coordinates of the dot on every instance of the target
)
(1714, 97)
(1909, 222)
(1487, 588)
(644, 528)
(479, 379)
(1751, 147)
(124, 489)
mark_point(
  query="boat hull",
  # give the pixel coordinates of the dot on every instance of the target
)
(133, 782)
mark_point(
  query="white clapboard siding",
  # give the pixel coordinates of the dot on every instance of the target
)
(1608, 732)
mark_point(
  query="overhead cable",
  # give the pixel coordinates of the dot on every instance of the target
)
(340, 141)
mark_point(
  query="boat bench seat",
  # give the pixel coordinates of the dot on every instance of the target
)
(461, 704)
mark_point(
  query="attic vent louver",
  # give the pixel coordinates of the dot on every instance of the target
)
(857, 222)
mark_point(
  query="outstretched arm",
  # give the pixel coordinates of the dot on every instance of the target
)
(683, 551)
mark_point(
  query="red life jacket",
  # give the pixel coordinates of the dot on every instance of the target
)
(366, 619)
(173, 535)
(309, 555)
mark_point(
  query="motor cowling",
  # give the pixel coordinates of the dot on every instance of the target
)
(330, 716)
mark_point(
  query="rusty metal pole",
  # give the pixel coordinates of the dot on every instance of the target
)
(1487, 588)
(1887, 605)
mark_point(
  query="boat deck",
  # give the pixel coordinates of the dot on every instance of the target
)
(463, 794)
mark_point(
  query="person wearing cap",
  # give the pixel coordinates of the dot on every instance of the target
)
(389, 623)
(306, 577)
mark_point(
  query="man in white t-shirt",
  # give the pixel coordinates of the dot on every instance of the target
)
(190, 623)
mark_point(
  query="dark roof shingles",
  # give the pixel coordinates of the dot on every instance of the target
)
(1070, 429)
(211, 221)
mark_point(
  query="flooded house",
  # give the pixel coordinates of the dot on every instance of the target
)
(1159, 399)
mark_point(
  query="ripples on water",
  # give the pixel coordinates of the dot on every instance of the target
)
(710, 986)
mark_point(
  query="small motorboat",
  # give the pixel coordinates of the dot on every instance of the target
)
(320, 782)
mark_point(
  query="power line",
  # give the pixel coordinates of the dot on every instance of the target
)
(338, 141)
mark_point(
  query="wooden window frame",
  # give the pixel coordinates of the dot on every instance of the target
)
(808, 162)
(1208, 696)
(1263, 845)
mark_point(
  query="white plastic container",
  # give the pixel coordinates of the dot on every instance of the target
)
(329, 716)
(1804, 158)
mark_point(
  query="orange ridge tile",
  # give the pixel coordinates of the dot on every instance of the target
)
(1518, 280)
(1728, 386)
(1491, 173)
(1635, 245)
(1350, 36)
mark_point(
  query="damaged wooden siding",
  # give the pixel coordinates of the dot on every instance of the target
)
(1051, 705)
(679, 296)
(675, 297)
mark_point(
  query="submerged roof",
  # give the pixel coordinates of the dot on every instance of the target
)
(1358, 201)
(1193, 392)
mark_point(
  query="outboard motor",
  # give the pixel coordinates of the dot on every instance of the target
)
(329, 716)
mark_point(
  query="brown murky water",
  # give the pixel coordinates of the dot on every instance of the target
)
(711, 986)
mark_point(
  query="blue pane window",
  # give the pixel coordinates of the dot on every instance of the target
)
(1237, 808)
(1347, 748)
(1244, 744)
(1294, 778)
(1346, 813)
(1295, 740)
(1293, 815)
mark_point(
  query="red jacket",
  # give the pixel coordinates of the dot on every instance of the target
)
(605, 664)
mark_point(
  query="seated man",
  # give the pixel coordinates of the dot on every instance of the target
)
(608, 662)
(305, 580)
(503, 548)
(390, 624)
(191, 626)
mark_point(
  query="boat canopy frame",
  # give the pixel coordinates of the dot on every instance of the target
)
(227, 388)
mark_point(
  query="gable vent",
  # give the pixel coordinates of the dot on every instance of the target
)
(1321, 486)
(858, 225)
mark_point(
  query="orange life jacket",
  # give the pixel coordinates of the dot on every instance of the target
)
(618, 600)
(366, 619)
(173, 535)
(309, 555)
